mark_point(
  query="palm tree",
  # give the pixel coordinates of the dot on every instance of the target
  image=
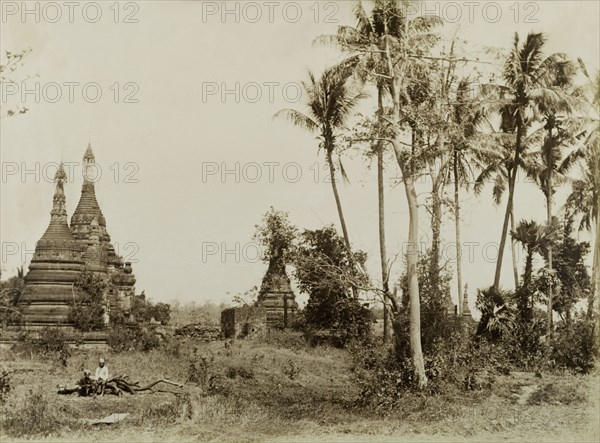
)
(497, 314)
(466, 149)
(535, 239)
(496, 167)
(585, 195)
(532, 86)
(366, 41)
(331, 100)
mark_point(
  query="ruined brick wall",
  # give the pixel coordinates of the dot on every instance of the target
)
(242, 322)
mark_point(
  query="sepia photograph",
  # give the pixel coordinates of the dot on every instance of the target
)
(299, 221)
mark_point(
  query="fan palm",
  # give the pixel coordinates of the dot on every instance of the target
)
(535, 238)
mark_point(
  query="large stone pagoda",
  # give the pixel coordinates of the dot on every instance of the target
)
(64, 252)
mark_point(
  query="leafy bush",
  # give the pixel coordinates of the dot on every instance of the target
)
(326, 271)
(381, 378)
(5, 386)
(132, 337)
(144, 310)
(10, 294)
(87, 312)
(202, 372)
(51, 343)
(574, 346)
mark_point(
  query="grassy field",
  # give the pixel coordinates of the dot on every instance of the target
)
(281, 390)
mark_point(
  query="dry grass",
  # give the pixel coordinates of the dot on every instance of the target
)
(264, 391)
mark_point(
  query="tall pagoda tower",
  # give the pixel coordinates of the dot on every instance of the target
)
(88, 226)
(55, 266)
(88, 223)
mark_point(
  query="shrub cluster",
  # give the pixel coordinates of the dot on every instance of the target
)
(51, 344)
(132, 337)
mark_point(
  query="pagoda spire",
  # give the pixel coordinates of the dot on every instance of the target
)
(466, 311)
(58, 229)
(59, 206)
(89, 165)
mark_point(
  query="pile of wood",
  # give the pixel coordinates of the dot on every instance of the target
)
(206, 333)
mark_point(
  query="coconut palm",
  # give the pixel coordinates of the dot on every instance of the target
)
(365, 41)
(532, 85)
(467, 150)
(330, 102)
(585, 195)
(496, 168)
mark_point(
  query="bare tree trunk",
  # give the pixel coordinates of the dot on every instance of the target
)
(549, 222)
(412, 258)
(381, 216)
(512, 180)
(413, 282)
(436, 221)
(340, 212)
(382, 247)
(514, 250)
(595, 289)
(413, 233)
(457, 230)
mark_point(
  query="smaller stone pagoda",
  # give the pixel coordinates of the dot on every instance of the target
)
(276, 295)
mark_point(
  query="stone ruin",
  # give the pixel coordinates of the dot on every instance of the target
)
(276, 306)
(243, 322)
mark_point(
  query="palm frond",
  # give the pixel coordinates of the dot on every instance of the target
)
(297, 119)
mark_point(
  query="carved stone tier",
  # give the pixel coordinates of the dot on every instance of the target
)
(276, 295)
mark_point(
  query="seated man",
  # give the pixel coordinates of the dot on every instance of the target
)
(86, 384)
(101, 376)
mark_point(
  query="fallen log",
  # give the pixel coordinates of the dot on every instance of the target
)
(146, 388)
(132, 388)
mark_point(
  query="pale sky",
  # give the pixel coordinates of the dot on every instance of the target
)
(168, 207)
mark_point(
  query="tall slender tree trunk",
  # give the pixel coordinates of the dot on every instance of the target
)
(412, 258)
(513, 251)
(381, 224)
(382, 247)
(457, 231)
(549, 222)
(338, 203)
(413, 282)
(413, 231)
(509, 207)
(436, 221)
(595, 289)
